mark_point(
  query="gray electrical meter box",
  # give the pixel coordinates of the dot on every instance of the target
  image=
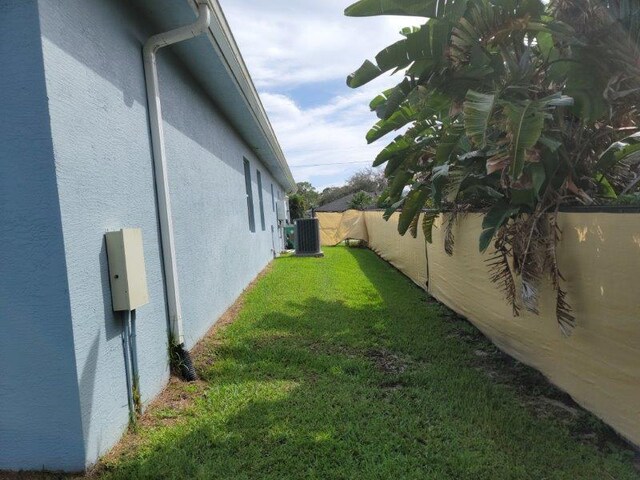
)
(126, 269)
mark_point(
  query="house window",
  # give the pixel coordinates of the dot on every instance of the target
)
(247, 184)
(260, 200)
(273, 199)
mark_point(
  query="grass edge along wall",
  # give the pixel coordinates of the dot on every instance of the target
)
(599, 256)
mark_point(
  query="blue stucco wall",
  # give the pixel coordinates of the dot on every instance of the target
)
(100, 137)
(103, 164)
(217, 254)
(39, 402)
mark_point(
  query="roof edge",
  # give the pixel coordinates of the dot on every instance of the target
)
(223, 41)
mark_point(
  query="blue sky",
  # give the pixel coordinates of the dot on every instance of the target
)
(299, 53)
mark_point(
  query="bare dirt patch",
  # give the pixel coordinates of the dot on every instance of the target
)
(203, 353)
(178, 397)
(386, 361)
(533, 389)
(166, 410)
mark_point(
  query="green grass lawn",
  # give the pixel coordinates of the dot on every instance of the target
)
(340, 367)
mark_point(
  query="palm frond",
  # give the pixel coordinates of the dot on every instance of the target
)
(564, 316)
(428, 221)
(449, 237)
(413, 228)
(566, 320)
(501, 274)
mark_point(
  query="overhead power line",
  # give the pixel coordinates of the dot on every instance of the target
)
(328, 164)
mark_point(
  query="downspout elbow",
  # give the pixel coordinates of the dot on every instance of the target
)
(160, 40)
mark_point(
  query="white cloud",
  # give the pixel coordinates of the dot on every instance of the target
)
(310, 44)
(289, 42)
(329, 138)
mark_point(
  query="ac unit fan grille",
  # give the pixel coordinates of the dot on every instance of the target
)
(307, 239)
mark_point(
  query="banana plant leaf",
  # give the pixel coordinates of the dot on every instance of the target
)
(368, 8)
(478, 108)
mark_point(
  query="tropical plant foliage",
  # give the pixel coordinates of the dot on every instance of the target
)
(513, 107)
(361, 200)
(297, 206)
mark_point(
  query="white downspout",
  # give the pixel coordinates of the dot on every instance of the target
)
(151, 47)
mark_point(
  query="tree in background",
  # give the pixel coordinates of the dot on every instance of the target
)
(309, 193)
(330, 194)
(305, 198)
(513, 107)
(361, 200)
(366, 180)
(297, 206)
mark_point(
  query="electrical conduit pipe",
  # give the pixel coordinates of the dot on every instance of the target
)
(149, 51)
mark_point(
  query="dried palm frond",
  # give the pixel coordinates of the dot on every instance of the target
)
(500, 270)
(454, 181)
(566, 320)
(526, 249)
(413, 227)
(428, 221)
(449, 238)
(529, 292)
(529, 249)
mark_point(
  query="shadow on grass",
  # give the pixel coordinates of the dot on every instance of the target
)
(377, 384)
(530, 386)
